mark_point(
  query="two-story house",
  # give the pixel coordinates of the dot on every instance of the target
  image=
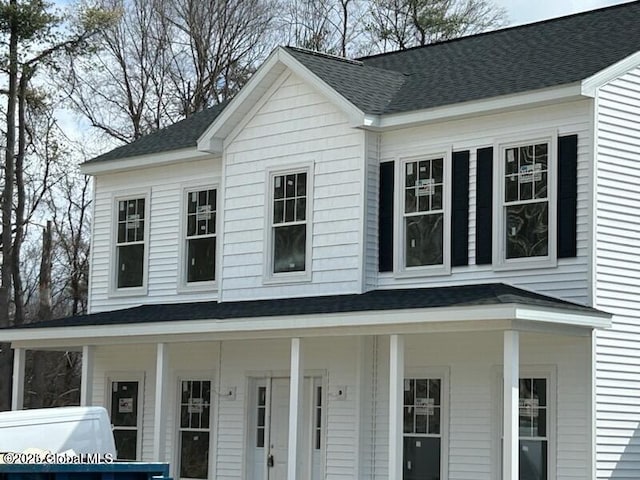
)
(423, 265)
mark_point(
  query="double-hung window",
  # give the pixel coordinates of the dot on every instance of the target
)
(527, 226)
(533, 428)
(200, 236)
(424, 228)
(194, 428)
(289, 223)
(130, 242)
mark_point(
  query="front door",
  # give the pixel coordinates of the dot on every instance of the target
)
(269, 419)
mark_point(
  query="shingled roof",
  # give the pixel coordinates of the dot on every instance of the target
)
(377, 300)
(513, 60)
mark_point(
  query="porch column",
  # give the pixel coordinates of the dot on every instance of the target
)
(17, 387)
(396, 397)
(510, 445)
(296, 392)
(160, 414)
(86, 380)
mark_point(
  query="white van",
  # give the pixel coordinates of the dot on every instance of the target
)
(85, 430)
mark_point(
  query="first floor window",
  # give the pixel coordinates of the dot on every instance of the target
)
(194, 430)
(526, 201)
(289, 222)
(124, 418)
(201, 235)
(533, 428)
(422, 428)
(423, 212)
(130, 243)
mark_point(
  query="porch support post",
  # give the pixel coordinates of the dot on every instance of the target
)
(396, 392)
(511, 377)
(17, 387)
(86, 380)
(160, 415)
(296, 405)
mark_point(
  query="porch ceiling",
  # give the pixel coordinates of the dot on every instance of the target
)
(456, 308)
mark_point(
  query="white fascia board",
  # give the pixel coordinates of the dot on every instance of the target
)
(212, 139)
(335, 322)
(475, 108)
(594, 82)
(143, 161)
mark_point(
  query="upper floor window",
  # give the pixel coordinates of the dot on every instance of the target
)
(289, 225)
(526, 229)
(130, 244)
(200, 231)
(424, 231)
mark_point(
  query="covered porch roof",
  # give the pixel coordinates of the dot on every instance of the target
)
(454, 308)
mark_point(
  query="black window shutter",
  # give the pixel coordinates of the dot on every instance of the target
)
(484, 206)
(385, 218)
(460, 213)
(567, 195)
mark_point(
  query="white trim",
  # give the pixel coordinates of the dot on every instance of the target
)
(86, 378)
(17, 381)
(327, 324)
(269, 277)
(500, 262)
(589, 86)
(443, 374)
(475, 108)
(110, 378)
(399, 255)
(92, 236)
(396, 405)
(143, 161)
(116, 197)
(207, 286)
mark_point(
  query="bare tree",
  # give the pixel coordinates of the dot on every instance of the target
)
(401, 24)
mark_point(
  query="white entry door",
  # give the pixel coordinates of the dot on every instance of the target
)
(278, 430)
(268, 444)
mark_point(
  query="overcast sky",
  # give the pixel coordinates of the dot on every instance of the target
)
(527, 11)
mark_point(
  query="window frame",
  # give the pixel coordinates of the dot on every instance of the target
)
(269, 276)
(548, 372)
(139, 377)
(210, 285)
(201, 376)
(118, 197)
(441, 373)
(399, 255)
(500, 260)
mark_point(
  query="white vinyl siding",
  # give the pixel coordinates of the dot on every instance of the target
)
(570, 279)
(617, 288)
(294, 125)
(164, 187)
(371, 188)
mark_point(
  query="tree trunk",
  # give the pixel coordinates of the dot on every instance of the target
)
(44, 286)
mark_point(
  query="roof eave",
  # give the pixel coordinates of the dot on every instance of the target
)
(591, 85)
(143, 161)
(212, 140)
(519, 316)
(475, 108)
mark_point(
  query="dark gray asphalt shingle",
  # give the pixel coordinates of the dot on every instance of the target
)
(377, 300)
(183, 134)
(513, 60)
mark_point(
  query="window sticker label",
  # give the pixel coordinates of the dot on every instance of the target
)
(529, 407)
(511, 156)
(125, 405)
(133, 221)
(203, 212)
(407, 385)
(195, 405)
(424, 406)
(529, 173)
(425, 187)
